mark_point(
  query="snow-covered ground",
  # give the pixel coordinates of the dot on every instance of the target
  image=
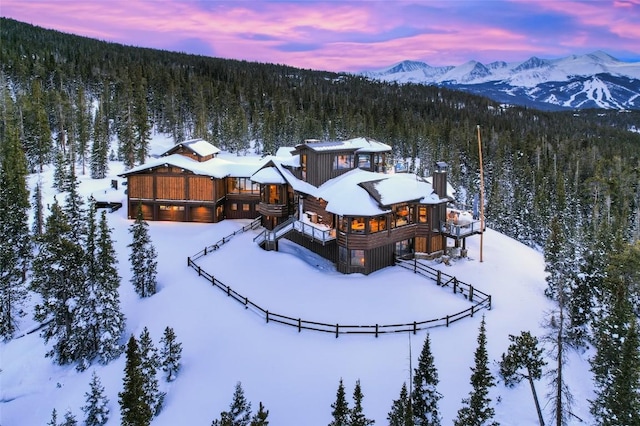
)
(294, 374)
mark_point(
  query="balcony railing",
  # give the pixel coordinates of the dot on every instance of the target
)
(460, 230)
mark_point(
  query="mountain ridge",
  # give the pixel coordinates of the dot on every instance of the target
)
(593, 80)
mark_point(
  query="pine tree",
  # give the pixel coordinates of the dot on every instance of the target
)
(340, 407)
(476, 408)
(38, 211)
(54, 418)
(111, 318)
(82, 127)
(239, 413)
(96, 409)
(58, 276)
(142, 258)
(69, 419)
(99, 164)
(401, 413)
(149, 364)
(425, 396)
(170, 354)
(134, 407)
(15, 250)
(356, 414)
(260, 418)
(523, 354)
(559, 280)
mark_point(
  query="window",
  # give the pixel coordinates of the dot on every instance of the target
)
(343, 162)
(364, 161)
(246, 207)
(242, 186)
(379, 163)
(174, 208)
(342, 225)
(234, 206)
(303, 166)
(402, 215)
(342, 254)
(377, 224)
(422, 214)
(356, 258)
(403, 247)
(357, 225)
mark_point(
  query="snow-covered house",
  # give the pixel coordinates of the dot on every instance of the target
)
(335, 198)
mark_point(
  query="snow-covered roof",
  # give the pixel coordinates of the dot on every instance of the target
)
(403, 187)
(346, 197)
(268, 175)
(360, 144)
(363, 193)
(199, 146)
(215, 167)
(285, 151)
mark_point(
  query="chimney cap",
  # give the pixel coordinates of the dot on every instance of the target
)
(441, 166)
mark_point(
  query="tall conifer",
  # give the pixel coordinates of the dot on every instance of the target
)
(477, 410)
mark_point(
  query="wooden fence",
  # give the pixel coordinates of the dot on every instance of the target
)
(479, 299)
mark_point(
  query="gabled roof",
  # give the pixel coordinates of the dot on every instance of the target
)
(215, 167)
(361, 144)
(197, 146)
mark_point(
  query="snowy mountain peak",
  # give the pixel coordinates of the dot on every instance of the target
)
(543, 83)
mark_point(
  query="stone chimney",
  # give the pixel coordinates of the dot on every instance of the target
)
(440, 179)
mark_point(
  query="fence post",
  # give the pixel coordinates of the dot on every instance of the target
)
(228, 291)
(470, 293)
(414, 327)
(267, 317)
(188, 261)
(376, 330)
(447, 320)
(439, 278)
(199, 271)
(299, 325)
(489, 302)
(337, 327)
(205, 251)
(415, 264)
(472, 306)
(455, 285)
(246, 303)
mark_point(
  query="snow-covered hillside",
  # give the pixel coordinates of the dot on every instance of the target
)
(294, 374)
(595, 80)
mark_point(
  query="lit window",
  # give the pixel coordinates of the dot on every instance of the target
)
(246, 207)
(357, 258)
(234, 206)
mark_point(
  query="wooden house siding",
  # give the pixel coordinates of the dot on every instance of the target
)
(320, 165)
(140, 186)
(201, 188)
(171, 188)
(313, 204)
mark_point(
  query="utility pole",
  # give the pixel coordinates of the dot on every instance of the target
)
(481, 193)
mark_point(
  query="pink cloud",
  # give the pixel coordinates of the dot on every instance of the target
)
(336, 36)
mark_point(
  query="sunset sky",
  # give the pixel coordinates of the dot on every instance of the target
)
(350, 35)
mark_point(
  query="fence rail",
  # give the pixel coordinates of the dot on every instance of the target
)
(479, 299)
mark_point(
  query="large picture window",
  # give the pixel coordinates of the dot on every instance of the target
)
(402, 215)
(241, 185)
(343, 162)
(377, 224)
